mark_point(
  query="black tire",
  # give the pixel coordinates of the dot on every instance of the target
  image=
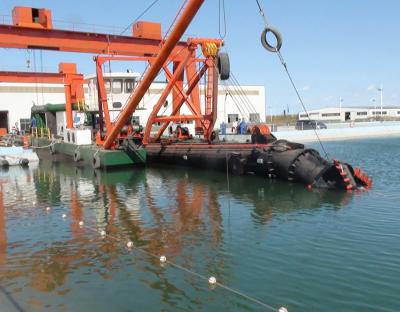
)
(96, 163)
(236, 166)
(24, 162)
(277, 36)
(77, 156)
(52, 149)
(224, 68)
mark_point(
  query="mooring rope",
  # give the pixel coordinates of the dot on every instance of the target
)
(284, 64)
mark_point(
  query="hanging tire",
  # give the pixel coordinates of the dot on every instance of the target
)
(277, 36)
(24, 162)
(52, 149)
(236, 165)
(224, 68)
(77, 156)
(96, 163)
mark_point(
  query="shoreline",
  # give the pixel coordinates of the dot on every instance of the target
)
(330, 134)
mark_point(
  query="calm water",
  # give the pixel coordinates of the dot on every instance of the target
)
(278, 242)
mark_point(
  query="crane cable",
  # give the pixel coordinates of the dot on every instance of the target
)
(222, 33)
(140, 15)
(284, 64)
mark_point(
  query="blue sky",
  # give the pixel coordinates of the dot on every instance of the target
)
(334, 48)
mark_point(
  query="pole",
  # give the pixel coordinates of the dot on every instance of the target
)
(177, 31)
(340, 107)
(381, 89)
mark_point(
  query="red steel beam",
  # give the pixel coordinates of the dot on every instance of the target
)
(177, 31)
(81, 42)
(30, 77)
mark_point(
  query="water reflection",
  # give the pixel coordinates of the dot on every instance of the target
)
(177, 213)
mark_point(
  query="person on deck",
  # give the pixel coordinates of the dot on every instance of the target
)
(33, 124)
(223, 128)
(243, 127)
(234, 126)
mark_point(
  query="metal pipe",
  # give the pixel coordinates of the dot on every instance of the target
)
(176, 33)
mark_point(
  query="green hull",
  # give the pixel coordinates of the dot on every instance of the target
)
(89, 154)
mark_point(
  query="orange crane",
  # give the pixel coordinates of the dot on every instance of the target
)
(32, 29)
(67, 75)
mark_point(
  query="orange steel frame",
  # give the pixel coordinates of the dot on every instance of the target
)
(73, 84)
(191, 67)
(157, 52)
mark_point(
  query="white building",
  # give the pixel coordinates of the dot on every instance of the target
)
(16, 100)
(337, 114)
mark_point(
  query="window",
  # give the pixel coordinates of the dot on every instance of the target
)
(254, 117)
(362, 113)
(117, 85)
(303, 115)
(379, 113)
(107, 83)
(129, 85)
(117, 104)
(24, 123)
(136, 120)
(233, 117)
(331, 115)
(398, 112)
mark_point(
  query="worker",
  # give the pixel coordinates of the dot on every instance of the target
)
(234, 126)
(33, 124)
(223, 128)
(15, 129)
(243, 126)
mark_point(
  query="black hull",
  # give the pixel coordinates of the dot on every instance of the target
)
(282, 159)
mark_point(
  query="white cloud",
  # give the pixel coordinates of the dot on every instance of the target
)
(305, 88)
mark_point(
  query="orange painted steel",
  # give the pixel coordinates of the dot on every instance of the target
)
(192, 86)
(29, 77)
(102, 97)
(177, 31)
(81, 42)
(67, 75)
(33, 29)
(32, 17)
(176, 77)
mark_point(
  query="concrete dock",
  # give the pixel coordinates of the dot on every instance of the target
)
(335, 132)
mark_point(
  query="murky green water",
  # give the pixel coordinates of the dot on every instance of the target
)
(277, 242)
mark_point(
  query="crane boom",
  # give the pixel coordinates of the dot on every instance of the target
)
(176, 33)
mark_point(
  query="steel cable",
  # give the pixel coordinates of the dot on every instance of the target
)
(284, 64)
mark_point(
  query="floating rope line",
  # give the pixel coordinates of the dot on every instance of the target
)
(212, 281)
(284, 64)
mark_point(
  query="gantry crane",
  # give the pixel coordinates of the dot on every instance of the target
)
(33, 29)
(67, 75)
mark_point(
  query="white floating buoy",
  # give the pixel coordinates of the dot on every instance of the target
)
(283, 309)
(81, 223)
(48, 209)
(163, 259)
(212, 280)
(64, 216)
(129, 244)
(34, 203)
(103, 233)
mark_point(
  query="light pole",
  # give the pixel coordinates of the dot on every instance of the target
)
(340, 107)
(381, 91)
(374, 101)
